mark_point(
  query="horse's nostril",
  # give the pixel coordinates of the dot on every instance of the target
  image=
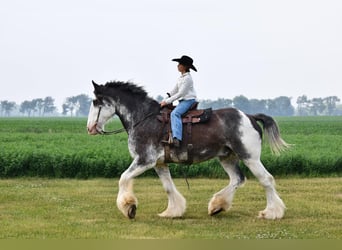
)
(90, 128)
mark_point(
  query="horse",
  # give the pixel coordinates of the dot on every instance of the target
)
(230, 135)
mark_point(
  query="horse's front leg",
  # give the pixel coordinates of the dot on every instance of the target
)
(126, 200)
(176, 202)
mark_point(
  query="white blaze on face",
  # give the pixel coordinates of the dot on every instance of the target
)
(97, 118)
(92, 116)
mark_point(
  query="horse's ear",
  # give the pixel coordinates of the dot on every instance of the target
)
(96, 86)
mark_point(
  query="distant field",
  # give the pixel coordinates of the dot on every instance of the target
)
(35, 208)
(60, 147)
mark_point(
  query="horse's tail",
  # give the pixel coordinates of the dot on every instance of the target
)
(277, 144)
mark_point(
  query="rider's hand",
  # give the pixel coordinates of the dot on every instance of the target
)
(163, 103)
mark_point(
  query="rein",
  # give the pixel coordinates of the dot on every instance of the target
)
(120, 130)
(113, 132)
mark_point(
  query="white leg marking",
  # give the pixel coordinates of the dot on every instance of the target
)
(275, 208)
(251, 140)
(126, 200)
(176, 202)
(222, 200)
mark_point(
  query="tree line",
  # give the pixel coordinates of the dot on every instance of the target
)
(72, 106)
(281, 106)
(77, 106)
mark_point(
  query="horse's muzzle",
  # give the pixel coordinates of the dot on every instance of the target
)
(92, 130)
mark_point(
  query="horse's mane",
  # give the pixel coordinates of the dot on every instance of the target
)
(132, 89)
(127, 87)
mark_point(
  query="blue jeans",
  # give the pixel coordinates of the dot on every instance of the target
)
(176, 117)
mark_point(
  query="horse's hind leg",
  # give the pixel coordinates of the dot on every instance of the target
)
(275, 207)
(222, 200)
(176, 202)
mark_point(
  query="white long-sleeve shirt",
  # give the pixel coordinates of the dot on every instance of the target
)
(184, 89)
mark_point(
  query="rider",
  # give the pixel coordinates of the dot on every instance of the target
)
(184, 93)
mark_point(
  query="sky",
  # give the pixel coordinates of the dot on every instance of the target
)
(257, 48)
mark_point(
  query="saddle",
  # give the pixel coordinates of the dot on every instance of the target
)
(193, 116)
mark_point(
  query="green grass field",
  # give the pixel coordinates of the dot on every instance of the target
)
(60, 147)
(66, 206)
(35, 208)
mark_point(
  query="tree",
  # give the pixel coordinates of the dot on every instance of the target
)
(70, 105)
(27, 107)
(330, 103)
(316, 106)
(280, 106)
(84, 104)
(42, 106)
(223, 103)
(241, 102)
(303, 103)
(7, 107)
(49, 106)
(217, 104)
(77, 105)
(39, 105)
(258, 106)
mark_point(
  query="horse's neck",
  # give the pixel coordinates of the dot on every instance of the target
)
(126, 116)
(131, 115)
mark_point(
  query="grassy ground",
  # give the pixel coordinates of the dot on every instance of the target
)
(83, 209)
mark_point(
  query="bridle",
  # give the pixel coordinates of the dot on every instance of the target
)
(103, 132)
(120, 130)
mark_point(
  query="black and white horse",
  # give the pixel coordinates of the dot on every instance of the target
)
(230, 135)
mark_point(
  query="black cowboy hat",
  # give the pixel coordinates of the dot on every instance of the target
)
(187, 61)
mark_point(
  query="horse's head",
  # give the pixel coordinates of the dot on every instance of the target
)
(101, 110)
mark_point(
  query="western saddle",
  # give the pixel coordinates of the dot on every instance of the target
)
(193, 116)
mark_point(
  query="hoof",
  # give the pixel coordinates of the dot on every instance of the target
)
(216, 211)
(131, 211)
(270, 216)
